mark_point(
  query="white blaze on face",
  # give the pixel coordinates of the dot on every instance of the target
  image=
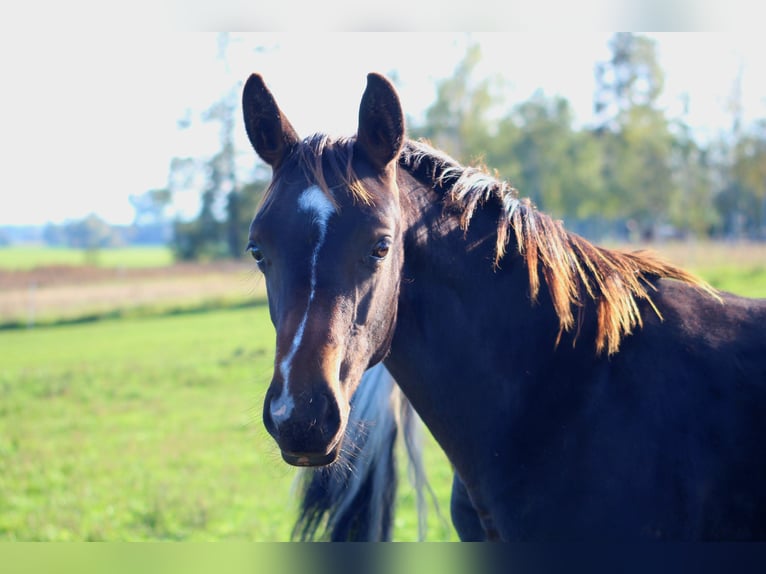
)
(314, 202)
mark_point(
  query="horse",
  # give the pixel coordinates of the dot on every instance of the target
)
(579, 392)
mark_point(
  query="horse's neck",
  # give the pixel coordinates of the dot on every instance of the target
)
(453, 297)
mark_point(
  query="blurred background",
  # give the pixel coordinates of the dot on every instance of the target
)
(135, 347)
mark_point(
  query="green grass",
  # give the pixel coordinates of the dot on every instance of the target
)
(17, 258)
(737, 267)
(746, 281)
(150, 429)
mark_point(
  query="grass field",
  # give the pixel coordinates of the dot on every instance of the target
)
(16, 258)
(148, 427)
(739, 267)
(55, 294)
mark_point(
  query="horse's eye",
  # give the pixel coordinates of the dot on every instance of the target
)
(255, 252)
(381, 248)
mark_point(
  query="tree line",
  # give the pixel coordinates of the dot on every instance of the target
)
(634, 174)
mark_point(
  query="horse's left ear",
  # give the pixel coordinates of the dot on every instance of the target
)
(381, 122)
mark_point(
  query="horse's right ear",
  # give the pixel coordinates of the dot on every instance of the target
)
(269, 132)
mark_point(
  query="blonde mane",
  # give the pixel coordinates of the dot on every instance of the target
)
(572, 268)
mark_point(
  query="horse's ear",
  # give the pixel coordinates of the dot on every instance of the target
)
(381, 122)
(269, 132)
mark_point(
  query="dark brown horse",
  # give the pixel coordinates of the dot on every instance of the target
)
(579, 392)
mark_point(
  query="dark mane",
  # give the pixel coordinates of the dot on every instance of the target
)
(573, 268)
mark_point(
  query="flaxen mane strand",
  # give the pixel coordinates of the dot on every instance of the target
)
(572, 267)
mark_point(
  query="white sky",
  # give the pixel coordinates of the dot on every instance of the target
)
(88, 119)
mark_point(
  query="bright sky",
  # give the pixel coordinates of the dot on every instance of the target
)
(89, 119)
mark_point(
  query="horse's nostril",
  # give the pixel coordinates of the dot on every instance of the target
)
(329, 415)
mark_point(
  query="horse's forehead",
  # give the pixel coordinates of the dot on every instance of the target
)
(317, 204)
(357, 196)
(330, 198)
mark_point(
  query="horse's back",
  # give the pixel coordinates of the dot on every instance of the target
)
(663, 439)
(703, 368)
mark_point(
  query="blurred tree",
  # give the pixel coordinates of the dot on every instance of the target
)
(635, 134)
(560, 167)
(534, 145)
(459, 119)
(694, 211)
(741, 171)
(91, 234)
(182, 175)
(241, 206)
(150, 206)
(634, 168)
(150, 222)
(227, 204)
(631, 78)
(743, 200)
(205, 237)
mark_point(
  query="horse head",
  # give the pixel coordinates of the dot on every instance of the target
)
(328, 239)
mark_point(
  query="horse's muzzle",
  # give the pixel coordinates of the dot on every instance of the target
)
(311, 434)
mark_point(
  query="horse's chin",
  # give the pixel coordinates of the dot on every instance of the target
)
(311, 458)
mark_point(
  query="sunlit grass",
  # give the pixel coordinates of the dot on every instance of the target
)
(738, 267)
(139, 429)
(30, 257)
(150, 429)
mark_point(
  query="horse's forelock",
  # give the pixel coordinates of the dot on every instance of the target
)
(324, 161)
